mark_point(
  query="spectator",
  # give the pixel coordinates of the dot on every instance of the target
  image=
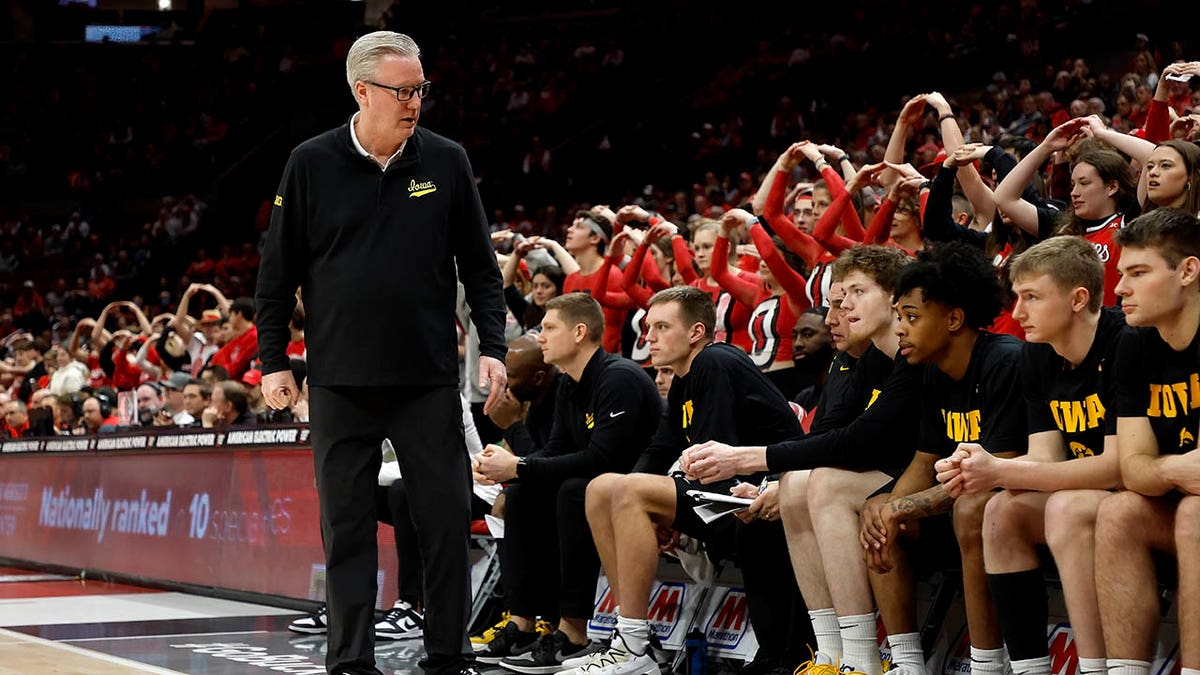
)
(175, 402)
(242, 345)
(230, 406)
(197, 396)
(70, 376)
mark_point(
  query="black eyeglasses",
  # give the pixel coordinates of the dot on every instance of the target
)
(406, 93)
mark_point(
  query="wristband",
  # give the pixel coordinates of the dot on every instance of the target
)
(947, 116)
(843, 158)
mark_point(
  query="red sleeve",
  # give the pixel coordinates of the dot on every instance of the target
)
(881, 224)
(851, 224)
(1158, 121)
(629, 278)
(824, 230)
(800, 243)
(683, 260)
(650, 273)
(922, 199)
(606, 294)
(742, 291)
(791, 280)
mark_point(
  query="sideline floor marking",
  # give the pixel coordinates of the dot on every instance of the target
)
(23, 654)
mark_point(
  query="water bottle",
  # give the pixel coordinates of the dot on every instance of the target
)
(696, 645)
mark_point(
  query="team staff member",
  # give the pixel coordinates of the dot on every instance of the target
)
(1067, 372)
(1158, 384)
(718, 394)
(356, 203)
(607, 409)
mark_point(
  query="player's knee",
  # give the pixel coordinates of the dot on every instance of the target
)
(1000, 522)
(1117, 518)
(825, 489)
(968, 520)
(1069, 520)
(1187, 522)
(600, 492)
(793, 492)
(632, 492)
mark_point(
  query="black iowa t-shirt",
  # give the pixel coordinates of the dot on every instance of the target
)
(1078, 401)
(1159, 383)
(984, 407)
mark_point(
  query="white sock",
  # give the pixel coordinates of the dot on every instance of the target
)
(825, 627)
(1092, 666)
(860, 647)
(635, 633)
(1189, 671)
(987, 661)
(1038, 666)
(1128, 667)
(906, 651)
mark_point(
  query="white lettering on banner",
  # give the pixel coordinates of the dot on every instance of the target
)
(240, 652)
(122, 443)
(13, 492)
(185, 440)
(139, 516)
(262, 436)
(21, 446)
(67, 445)
(8, 524)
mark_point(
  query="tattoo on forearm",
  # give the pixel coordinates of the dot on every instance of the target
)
(929, 502)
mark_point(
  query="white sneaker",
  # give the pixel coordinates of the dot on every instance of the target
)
(618, 659)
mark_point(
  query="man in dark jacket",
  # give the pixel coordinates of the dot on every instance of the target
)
(356, 206)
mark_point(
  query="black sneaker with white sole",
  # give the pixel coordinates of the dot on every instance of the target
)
(316, 623)
(546, 657)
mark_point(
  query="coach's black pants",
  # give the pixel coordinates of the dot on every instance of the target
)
(550, 564)
(425, 424)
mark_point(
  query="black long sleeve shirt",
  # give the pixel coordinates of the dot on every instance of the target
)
(601, 423)
(376, 254)
(722, 398)
(882, 437)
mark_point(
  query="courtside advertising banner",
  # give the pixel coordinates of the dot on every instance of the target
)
(244, 519)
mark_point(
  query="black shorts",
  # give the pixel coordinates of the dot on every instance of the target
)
(719, 536)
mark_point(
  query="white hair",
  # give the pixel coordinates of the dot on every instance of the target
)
(366, 51)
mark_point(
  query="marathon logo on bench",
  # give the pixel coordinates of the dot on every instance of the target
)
(21, 446)
(958, 657)
(885, 647)
(267, 436)
(666, 613)
(727, 625)
(201, 440)
(138, 442)
(604, 616)
(1064, 660)
(69, 445)
(666, 609)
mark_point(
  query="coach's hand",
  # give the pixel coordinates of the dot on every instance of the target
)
(279, 389)
(493, 374)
